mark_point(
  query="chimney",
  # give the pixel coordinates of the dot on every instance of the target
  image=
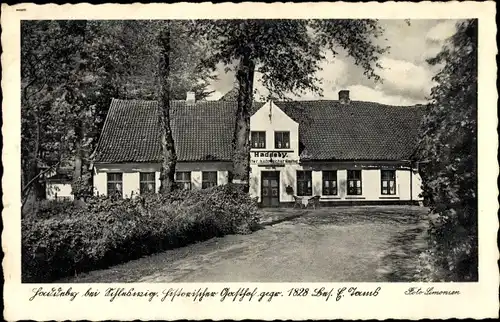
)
(344, 97)
(190, 98)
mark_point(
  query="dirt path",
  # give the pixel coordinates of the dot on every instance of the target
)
(355, 244)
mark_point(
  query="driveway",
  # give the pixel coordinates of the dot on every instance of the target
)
(355, 244)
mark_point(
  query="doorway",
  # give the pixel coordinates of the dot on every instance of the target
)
(270, 188)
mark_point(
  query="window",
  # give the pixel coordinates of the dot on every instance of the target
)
(304, 183)
(329, 183)
(208, 179)
(281, 140)
(388, 182)
(115, 184)
(147, 182)
(354, 182)
(183, 180)
(258, 140)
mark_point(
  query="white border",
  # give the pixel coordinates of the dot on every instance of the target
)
(477, 300)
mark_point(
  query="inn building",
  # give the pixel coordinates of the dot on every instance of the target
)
(345, 152)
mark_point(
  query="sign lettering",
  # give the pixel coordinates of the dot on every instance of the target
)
(270, 154)
(274, 162)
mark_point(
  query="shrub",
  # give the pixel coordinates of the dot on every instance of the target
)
(106, 232)
(448, 145)
(82, 187)
(51, 208)
(453, 246)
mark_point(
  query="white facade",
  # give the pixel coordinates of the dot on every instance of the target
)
(274, 170)
(58, 190)
(285, 162)
(370, 184)
(131, 175)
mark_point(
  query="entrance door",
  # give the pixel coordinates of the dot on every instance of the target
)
(270, 188)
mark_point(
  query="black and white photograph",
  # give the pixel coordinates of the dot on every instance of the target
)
(250, 150)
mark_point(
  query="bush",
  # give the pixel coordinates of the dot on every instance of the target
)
(77, 239)
(453, 247)
(51, 208)
(82, 187)
(448, 147)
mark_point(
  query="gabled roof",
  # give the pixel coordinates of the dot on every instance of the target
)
(131, 133)
(59, 175)
(204, 130)
(230, 96)
(355, 131)
(201, 131)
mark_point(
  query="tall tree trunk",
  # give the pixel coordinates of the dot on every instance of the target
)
(241, 151)
(80, 130)
(36, 191)
(31, 188)
(78, 165)
(167, 140)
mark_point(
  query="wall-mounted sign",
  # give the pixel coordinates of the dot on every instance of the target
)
(271, 154)
(273, 162)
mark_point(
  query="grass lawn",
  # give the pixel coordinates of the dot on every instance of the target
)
(355, 244)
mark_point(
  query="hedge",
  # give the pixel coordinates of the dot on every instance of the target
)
(62, 239)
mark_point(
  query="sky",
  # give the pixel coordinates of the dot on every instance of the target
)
(406, 76)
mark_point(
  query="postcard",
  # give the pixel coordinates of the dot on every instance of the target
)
(250, 161)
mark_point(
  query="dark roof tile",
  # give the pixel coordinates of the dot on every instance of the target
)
(204, 131)
(355, 131)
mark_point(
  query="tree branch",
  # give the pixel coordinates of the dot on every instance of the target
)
(28, 185)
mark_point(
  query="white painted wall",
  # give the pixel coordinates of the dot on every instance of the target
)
(370, 181)
(61, 190)
(222, 177)
(157, 181)
(371, 184)
(342, 184)
(288, 177)
(254, 182)
(196, 179)
(417, 186)
(131, 175)
(100, 183)
(131, 184)
(271, 118)
(403, 184)
(317, 183)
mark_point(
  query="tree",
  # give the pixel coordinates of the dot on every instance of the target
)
(288, 54)
(73, 68)
(101, 69)
(70, 72)
(167, 141)
(180, 68)
(448, 145)
(140, 39)
(46, 51)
